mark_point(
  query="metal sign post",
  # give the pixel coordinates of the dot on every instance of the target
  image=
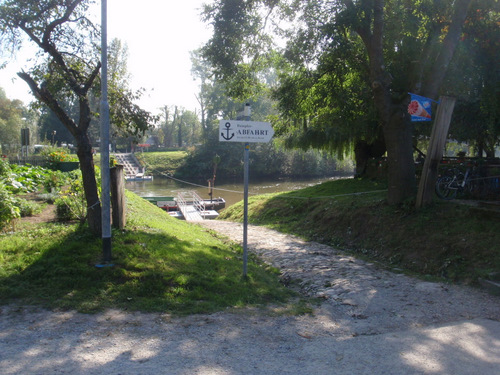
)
(249, 132)
(245, 208)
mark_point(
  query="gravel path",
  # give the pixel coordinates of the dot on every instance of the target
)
(370, 321)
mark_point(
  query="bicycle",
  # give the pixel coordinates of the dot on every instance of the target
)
(453, 183)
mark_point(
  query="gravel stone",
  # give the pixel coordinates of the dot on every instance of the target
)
(368, 321)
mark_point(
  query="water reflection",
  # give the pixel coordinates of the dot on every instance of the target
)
(232, 193)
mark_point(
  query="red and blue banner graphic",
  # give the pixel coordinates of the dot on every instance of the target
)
(420, 108)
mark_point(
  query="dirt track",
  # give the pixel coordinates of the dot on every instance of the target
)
(371, 321)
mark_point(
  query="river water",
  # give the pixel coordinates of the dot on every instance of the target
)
(232, 193)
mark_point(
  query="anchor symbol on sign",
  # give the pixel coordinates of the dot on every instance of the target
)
(227, 137)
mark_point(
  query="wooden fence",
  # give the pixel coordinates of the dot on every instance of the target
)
(35, 160)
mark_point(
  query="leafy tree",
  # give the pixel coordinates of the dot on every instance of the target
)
(475, 76)
(179, 127)
(68, 67)
(213, 97)
(165, 132)
(11, 113)
(190, 127)
(59, 29)
(345, 60)
(200, 70)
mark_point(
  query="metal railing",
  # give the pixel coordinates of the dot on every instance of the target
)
(181, 202)
(190, 198)
(198, 203)
(32, 160)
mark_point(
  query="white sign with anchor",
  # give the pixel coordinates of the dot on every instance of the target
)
(245, 131)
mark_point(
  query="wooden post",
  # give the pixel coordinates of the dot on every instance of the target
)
(435, 151)
(119, 216)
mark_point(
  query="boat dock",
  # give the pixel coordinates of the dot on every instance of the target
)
(189, 206)
(193, 207)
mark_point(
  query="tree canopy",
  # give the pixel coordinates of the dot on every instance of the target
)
(346, 69)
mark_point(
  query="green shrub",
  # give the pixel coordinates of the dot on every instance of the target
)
(4, 167)
(71, 204)
(20, 179)
(28, 208)
(63, 209)
(55, 180)
(8, 208)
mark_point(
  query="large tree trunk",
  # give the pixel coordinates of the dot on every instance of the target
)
(85, 155)
(84, 152)
(396, 128)
(398, 134)
(364, 151)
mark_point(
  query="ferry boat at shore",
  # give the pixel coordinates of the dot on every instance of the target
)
(138, 177)
(205, 208)
(170, 203)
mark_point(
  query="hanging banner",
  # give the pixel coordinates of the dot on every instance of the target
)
(420, 108)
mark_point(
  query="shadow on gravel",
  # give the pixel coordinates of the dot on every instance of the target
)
(122, 343)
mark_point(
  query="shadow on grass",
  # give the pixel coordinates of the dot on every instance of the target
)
(151, 272)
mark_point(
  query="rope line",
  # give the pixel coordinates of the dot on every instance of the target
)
(336, 195)
(287, 197)
(296, 197)
(202, 186)
(235, 191)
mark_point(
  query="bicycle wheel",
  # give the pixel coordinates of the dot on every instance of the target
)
(446, 187)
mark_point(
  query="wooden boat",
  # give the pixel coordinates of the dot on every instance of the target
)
(207, 214)
(138, 177)
(215, 203)
(165, 203)
(170, 203)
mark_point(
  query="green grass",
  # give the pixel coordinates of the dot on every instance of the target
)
(158, 163)
(447, 240)
(161, 264)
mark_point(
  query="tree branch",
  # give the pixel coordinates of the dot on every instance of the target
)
(91, 79)
(44, 95)
(46, 45)
(51, 26)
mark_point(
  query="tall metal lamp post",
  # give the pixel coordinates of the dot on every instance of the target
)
(105, 176)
